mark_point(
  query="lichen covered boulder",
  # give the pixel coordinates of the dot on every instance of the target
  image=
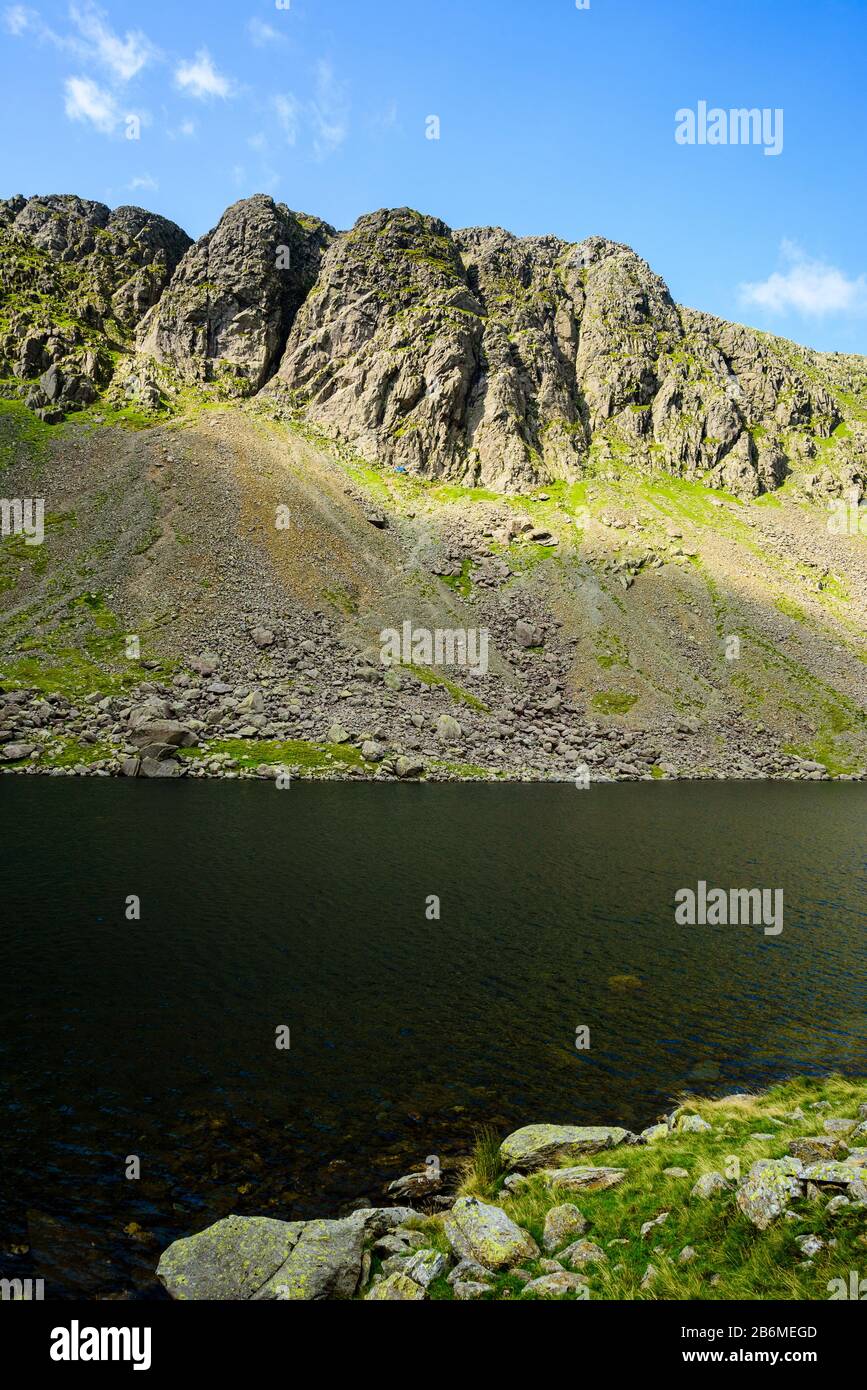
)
(537, 1146)
(764, 1197)
(232, 1259)
(477, 1231)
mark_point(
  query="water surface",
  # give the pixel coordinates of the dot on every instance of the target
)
(306, 907)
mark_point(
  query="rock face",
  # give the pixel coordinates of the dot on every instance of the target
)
(506, 361)
(228, 309)
(476, 355)
(76, 278)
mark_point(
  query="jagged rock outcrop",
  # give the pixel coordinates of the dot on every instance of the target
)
(473, 355)
(75, 278)
(227, 312)
(508, 361)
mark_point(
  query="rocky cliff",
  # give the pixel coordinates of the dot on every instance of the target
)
(473, 355)
(75, 279)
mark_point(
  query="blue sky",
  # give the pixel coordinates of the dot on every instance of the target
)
(552, 118)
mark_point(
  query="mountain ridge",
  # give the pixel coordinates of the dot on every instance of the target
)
(472, 354)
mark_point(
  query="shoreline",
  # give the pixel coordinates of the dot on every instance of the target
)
(582, 1212)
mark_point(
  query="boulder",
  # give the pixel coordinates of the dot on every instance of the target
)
(693, 1124)
(766, 1196)
(583, 1179)
(556, 1285)
(14, 752)
(425, 1266)
(232, 1259)
(654, 1133)
(484, 1233)
(378, 1221)
(397, 1288)
(837, 1173)
(467, 1290)
(561, 1223)
(160, 767)
(709, 1184)
(536, 1146)
(325, 1262)
(469, 1270)
(448, 729)
(838, 1124)
(527, 634)
(417, 1184)
(583, 1252)
(205, 665)
(163, 731)
(816, 1146)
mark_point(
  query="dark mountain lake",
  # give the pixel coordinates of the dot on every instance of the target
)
(306, 907)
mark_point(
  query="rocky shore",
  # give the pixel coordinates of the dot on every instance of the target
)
(358, 721)
(745, 1196)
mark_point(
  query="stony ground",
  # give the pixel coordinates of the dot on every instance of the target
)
(257, 566)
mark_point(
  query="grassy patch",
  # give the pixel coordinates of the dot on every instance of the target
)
(429, 677)
(733, 1259)
(613, 701)
(83, 654)
(291, 753)
(460, 583)
(23, 434)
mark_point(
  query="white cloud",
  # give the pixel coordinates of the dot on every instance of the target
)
(85, 101)
(810, 287)
(94, 42)
(262, 34)
(199, 78)
(17, 20)
(257, 141)
(288, 113)
(329, 111)
(122, 57)
(143, 181)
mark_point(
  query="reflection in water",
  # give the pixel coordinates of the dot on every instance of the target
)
(306, 909)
